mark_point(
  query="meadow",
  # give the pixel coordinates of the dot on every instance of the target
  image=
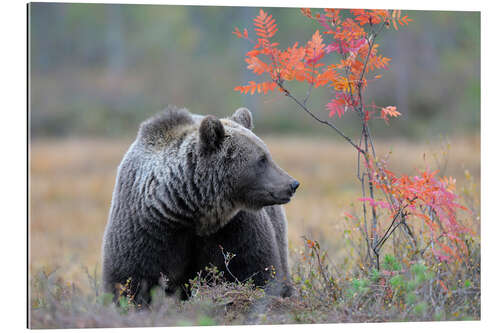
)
(71, 182)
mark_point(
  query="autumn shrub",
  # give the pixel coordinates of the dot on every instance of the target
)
(403, 198)
(422, 214)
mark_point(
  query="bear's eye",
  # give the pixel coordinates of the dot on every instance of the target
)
(262, 160)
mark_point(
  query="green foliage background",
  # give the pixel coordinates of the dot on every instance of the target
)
(100, 69)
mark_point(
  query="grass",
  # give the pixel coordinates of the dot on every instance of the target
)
(71, 186)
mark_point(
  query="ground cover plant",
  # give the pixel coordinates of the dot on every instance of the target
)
(410, 242)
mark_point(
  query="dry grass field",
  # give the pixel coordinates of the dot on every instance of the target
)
(72, 182)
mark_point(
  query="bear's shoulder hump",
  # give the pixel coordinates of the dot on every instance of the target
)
(161, 127)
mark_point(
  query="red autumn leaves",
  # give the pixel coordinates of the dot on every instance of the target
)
(344, 57)
(349, 38)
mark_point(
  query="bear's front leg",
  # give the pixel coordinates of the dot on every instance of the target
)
(250, 236)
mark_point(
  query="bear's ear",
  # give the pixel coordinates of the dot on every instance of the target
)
(211, 134)
(243, 117)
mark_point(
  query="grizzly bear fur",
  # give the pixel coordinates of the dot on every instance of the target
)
(186, 187)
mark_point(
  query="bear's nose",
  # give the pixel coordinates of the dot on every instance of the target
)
(294, 185)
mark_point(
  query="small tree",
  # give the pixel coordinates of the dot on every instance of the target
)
(343, 57)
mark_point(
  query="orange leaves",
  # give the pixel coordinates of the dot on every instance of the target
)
(292, 65)
(441, 283)
(349, 30)
(396, 18)
(342, 84)
(326, 77)
(389, 111)
(377, 16)
(311, 244)
(239, 34)
(349, 33)
(315, 48)
(449, 182)
(258, 66)
(263, 87)
(371, 17)
(306, 12)
(352, 36)
(265, 28)
(376, 61)
(426, 198)
(265, 25)
(336, 107)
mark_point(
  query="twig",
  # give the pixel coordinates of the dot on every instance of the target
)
(359, 157)
(371, 142)
(367, 136)
(227, 258)
(368, 247)
(371, 43)
(251, 276)
(325, 122)
(372, 196)
(429, 244)
(410, 233)
(320, 266)
(388, 232)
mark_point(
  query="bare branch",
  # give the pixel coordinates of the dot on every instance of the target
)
(325, 122)
(364, 216)
(388, 232)
(227, 258)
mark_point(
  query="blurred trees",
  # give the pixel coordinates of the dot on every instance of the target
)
(101, 69)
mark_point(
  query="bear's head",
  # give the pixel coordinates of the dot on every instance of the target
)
(201, 171)
(253, 178)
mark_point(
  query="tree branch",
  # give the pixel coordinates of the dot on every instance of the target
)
(325, 122)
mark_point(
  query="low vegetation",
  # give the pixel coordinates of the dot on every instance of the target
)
(417, 292)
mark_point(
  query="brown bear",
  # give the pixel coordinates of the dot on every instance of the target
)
(187, 186)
